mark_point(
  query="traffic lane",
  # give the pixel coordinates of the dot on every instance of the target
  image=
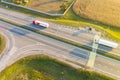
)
(16, 36)
(21, 30)
(21, 41)
(105, 60)
(38, 36)
(79, 39)
(29, 19)
(9, 40)
(108, 65)
(53, 29)
(76, 39)
(61, 54)
(63, 47)
(20, 15)
(83, 39)
(110, 50)
(34, 52)
(50, 50)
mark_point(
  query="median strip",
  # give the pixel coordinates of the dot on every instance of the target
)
(2, 43)
(64, 40)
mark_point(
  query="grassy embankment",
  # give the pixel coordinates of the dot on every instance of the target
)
(2, 43)
(45, 68)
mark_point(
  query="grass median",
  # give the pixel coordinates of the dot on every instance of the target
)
(64, 40)
(40, 67)
(2, 43)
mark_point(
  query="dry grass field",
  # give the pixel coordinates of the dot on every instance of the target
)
(105, 11)
(50, 6)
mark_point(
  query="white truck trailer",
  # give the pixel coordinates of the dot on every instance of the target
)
(107, 43)
(41, 23)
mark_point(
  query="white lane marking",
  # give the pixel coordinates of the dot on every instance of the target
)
(107, 73)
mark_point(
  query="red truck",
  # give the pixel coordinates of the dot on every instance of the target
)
(41, 23)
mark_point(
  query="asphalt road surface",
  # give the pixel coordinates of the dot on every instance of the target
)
(27, 40)
(9, 41)
(81, 36)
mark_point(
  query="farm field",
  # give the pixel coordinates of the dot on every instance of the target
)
(49, 6)
(40, 67)
(105, 11)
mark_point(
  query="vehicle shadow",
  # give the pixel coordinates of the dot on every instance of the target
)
(106, 48)
(79, 54)
(78, 33)
(84, 55)
(36, 26)
(19, 32)
(102, 48)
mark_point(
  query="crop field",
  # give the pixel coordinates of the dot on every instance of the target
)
(105, 11)
(40, 67)
(49, 6)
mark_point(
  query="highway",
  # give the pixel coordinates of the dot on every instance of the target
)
(81, 35)
(26, 41)
(9, 40)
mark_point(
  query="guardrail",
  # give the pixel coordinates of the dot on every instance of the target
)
(49, 14)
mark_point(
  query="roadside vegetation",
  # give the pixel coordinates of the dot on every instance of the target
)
(19, 2)
(2, 43)
(73, 20)
(44, 68)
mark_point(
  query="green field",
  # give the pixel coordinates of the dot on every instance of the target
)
(2, 43)
(44, 68)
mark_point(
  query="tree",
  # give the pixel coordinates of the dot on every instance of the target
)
(63, 7)
(21, 2)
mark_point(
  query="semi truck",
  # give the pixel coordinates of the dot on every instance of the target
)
(107, 43)
(40, 23)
